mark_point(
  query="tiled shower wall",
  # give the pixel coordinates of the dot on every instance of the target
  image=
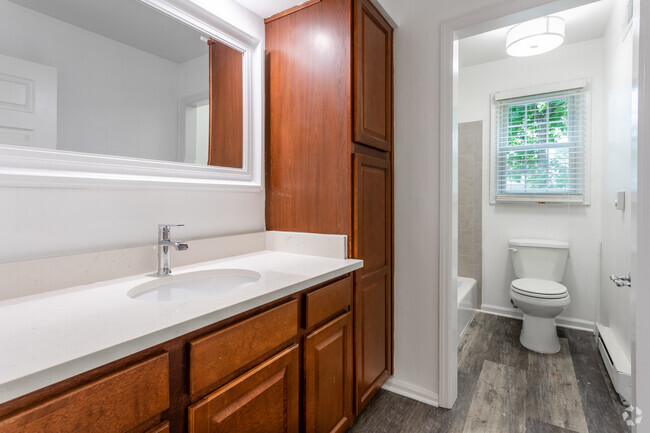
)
(470, 155)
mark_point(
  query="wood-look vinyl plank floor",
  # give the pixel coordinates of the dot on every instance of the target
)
(491, 364)
(552, 394)
(499, 403)
(390, 412)
(533, 426)
(385, 413)
(596, 388)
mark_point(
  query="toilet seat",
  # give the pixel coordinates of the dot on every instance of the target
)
(536, 288)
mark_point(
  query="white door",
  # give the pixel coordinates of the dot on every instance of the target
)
(28, 98)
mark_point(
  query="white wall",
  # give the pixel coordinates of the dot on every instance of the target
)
(580, 225)
(417, 122)
(42, 222)
(617, 175)
(194, 77)
(113, 99)
(194, 86)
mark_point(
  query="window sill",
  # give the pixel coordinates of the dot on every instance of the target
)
(539, 199)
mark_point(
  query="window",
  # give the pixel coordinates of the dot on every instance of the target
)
(539, 145)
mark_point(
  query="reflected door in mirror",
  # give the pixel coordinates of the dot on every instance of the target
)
(226, 106)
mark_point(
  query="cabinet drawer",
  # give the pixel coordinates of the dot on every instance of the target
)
(324, 303)
(223, 352)
(265, 399)
(114, 403)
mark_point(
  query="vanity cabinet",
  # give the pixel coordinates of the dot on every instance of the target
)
(218, 354)
(117, 403)
(329, 154)
(328, 377)
(282, 367)
(265, 399)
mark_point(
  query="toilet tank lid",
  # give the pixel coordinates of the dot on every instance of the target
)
(539, 243)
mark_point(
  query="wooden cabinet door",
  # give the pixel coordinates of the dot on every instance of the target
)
(373, 77)
(328, 377)
(114, 403)
(264, 400)
(373, 291)
(309, 119)
(226, 148)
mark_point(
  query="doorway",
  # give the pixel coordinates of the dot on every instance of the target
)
(452, 32)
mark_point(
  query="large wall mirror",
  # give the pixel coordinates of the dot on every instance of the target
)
(128, 82)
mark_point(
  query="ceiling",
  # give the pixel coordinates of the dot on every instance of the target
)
(129, 22)
(582, 24)
(266, 8)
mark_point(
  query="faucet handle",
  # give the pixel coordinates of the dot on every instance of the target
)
(168, 226)
(163, 230)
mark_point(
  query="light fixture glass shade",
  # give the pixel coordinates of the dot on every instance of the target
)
(535, 37)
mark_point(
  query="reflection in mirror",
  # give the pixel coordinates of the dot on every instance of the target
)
(117, 78)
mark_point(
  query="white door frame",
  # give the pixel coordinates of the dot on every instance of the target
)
(479, 21)
(641, 217)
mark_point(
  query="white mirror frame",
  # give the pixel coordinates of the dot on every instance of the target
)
(55, 168)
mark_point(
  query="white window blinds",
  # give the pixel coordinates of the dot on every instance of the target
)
(540, 146)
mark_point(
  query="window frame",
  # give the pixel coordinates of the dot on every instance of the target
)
(585, 197)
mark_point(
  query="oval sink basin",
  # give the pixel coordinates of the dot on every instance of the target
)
(194, 285)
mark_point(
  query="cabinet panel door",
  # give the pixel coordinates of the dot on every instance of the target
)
(266, 399)
(226, 148)
(115, 403)
(373, 77)
(373, 291)
(328, 377)
(309, 119)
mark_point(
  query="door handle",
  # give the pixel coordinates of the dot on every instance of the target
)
(625, 281)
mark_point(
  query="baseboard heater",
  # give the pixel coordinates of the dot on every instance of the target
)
(617, 365)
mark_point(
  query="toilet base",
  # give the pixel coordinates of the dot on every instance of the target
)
(539, 334)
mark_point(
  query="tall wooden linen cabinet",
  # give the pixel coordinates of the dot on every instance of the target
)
(329, 155)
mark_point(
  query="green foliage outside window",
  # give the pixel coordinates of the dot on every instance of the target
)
(541, 164)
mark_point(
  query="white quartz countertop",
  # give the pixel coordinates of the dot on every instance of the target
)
(49, 337)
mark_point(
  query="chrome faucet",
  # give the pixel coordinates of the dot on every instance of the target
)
(164, 267)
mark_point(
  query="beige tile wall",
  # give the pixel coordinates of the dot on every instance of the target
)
(470, 154)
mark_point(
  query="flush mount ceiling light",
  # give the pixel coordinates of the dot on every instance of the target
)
(535, 37)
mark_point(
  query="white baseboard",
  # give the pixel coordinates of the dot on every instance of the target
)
(565, 322)
(411, 391)
(616, 362)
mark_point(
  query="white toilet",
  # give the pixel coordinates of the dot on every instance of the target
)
(539, 267)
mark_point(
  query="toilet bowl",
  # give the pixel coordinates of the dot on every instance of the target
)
(541, 301)
(539, 266)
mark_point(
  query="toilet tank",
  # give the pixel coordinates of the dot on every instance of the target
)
(539, 258)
